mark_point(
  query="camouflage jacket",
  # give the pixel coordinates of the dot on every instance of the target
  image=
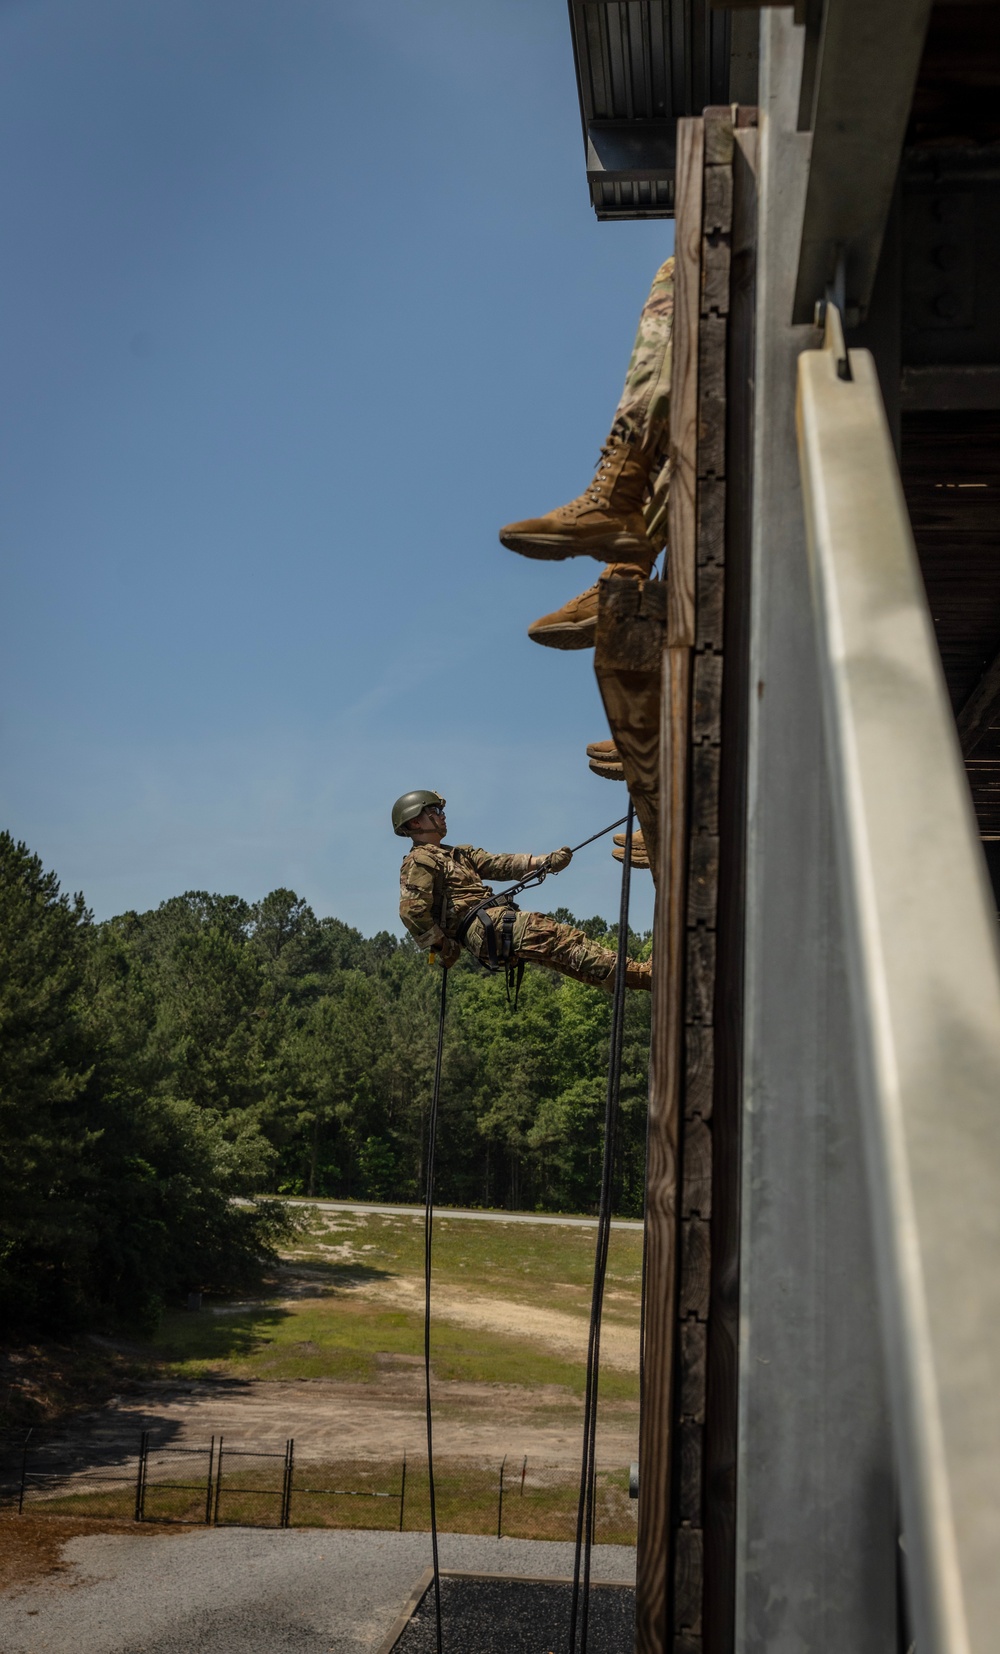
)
(439, 883)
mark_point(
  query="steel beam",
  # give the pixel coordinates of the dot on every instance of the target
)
(868, 57)
(920, 936)
(816, 1540)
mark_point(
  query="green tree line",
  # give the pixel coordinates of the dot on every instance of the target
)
(157, 1065)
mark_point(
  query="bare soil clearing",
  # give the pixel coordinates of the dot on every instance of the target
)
(331, 1420)
(328, 1353)
(556, 1329)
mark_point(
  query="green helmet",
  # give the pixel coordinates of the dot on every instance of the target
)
(409, 806)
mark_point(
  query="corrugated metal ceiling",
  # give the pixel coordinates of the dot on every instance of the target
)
(640, 64)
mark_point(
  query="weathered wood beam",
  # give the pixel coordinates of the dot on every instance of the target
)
(654, 1585)
(981, 708)
(627, 662)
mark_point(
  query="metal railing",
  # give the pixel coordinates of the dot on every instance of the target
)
(922, 961)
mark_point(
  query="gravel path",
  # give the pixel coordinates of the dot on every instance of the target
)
(244, 1591)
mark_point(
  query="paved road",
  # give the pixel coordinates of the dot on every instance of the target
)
(457, 1212)
(248, 1591)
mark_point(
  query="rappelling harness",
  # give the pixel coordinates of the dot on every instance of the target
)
(500, 956)
(498, 934)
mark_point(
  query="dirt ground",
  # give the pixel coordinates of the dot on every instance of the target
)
(563, 1334)
(330, 1420)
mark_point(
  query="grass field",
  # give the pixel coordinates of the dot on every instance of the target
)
(360, 1494)
(345, 1320)
(510, 1317)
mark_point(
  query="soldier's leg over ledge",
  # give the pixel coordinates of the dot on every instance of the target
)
(607, 520)
(545, 941)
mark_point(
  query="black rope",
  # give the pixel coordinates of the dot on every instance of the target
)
(428, 1228)
(586, 1508)
(585, 1513)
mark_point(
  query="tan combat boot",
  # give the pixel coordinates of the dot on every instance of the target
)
(640, 855)
(638, 842)
(574, 626)
(606, 521)
(609, 769)
(605, 760)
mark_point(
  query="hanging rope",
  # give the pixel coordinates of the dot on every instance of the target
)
(580, 1604)
(585, 1512)
(428, 1230)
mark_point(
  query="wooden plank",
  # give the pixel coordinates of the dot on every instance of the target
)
(700, 974)
(684, 384)
(689, 1471)
(696, 1199)
(711, 459)
(715, 277)
(711, 547)
(707, 701)
(980, 710)
(693, 1339)
(688, 1580)
(723, 1327)
(705, 788)
(662, 1165)
(711, 583)
(718, 118)
(699, 1070)
(718, 206)
(696, 1264)
(703, 878)
(631, 619)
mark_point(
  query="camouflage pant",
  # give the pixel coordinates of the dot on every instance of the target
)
(545, 941)
(644, 410)
(643, 414)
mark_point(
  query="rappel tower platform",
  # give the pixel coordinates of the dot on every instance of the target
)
(806, 708)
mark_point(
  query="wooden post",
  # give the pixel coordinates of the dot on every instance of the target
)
(653, 1582)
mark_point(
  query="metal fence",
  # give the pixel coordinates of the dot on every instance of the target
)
(228, 1484)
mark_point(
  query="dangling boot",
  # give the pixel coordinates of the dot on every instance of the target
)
(640, 855)
(609, 769)
(605, 760)
(606, 521)
(574, 626)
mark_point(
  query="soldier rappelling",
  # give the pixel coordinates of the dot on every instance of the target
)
(445, 905)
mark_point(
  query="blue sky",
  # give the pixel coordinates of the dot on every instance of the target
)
(299, 301)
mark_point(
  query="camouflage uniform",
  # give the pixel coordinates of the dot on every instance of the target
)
(643, 413)
(440, 884)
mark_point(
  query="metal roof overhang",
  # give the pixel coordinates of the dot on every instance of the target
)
(640, 64)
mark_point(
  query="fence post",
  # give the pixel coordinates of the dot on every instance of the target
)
(500, 1500)
(140, 1478)
(402, 1494)
(24, 1473)
(523, 1469)
(218, 1484)
(208, 1489)
(286, 1501)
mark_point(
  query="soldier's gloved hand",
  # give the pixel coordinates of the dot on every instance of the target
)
(559, 859)
(448, 951)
